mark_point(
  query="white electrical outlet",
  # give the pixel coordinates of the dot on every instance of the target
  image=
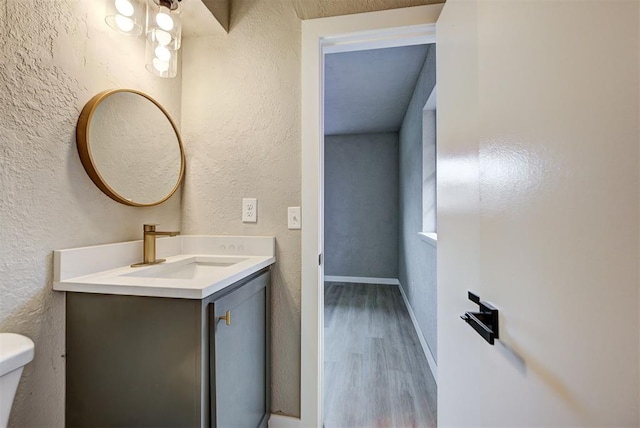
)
(249, 210)
(293, 218)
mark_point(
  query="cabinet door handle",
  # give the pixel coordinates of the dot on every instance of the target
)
(226, 317)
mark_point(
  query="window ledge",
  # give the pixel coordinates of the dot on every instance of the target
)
(430, 238)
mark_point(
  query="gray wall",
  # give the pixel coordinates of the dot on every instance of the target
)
(361, 205)
(417, 259)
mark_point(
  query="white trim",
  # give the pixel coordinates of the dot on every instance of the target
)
(362, 280)
(378, 39)
(403, 26)
(281, 421)
(425, 347)
(429, 238)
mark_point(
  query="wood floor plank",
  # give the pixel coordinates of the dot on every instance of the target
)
(376, 374)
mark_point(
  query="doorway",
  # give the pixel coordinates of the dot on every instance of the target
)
(377, 268)
(398, 27)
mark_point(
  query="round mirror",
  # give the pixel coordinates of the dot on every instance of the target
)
(130, 147)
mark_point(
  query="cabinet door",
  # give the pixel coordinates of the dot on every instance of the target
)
(239, 371)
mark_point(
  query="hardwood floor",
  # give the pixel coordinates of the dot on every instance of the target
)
(375, 372)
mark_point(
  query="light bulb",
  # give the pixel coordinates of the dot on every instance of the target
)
(124, 23)
(163, 53)
(164, 21)
(160, 65)
(124, 7)
(163, 37)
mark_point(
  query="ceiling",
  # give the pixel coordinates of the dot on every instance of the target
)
(369, 91)
(306, 9)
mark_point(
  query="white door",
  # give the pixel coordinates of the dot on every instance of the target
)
(538, 195)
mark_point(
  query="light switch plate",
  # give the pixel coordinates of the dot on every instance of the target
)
(249, 210)
(293, 218)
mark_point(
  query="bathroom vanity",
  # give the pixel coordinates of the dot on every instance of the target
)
(184, 343)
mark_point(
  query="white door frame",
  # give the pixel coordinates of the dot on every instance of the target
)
(390, 28)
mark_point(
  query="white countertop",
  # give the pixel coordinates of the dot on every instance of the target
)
(106, 269)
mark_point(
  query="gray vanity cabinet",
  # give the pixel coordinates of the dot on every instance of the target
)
(137, 361)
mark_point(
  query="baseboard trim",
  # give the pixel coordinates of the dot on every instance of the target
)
(281, 421)
(425, 348)
(362, 280)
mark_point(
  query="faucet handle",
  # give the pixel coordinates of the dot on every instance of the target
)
(150, 227)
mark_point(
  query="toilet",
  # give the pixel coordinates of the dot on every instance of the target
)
(16, 351)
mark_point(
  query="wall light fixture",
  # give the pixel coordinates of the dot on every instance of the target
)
(125, 16)
(164, 36)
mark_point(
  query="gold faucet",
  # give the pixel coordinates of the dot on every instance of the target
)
(149, 245)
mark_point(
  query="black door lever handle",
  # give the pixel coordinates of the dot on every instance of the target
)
(485, 322)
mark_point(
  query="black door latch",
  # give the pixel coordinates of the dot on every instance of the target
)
(484, 322)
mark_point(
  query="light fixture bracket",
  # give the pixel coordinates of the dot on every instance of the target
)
(169, 4)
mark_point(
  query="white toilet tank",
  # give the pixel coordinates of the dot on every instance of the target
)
(15, 352)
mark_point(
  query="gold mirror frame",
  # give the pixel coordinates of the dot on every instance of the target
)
(83, 143)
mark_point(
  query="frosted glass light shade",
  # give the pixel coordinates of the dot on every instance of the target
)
(164, 23)
(161, 60)
(125, 16)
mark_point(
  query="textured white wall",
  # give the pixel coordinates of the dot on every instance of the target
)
(53, 57)
(241, 110)
(241, 103)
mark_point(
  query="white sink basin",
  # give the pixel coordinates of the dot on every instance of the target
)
(192, 268)
(196, 266)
